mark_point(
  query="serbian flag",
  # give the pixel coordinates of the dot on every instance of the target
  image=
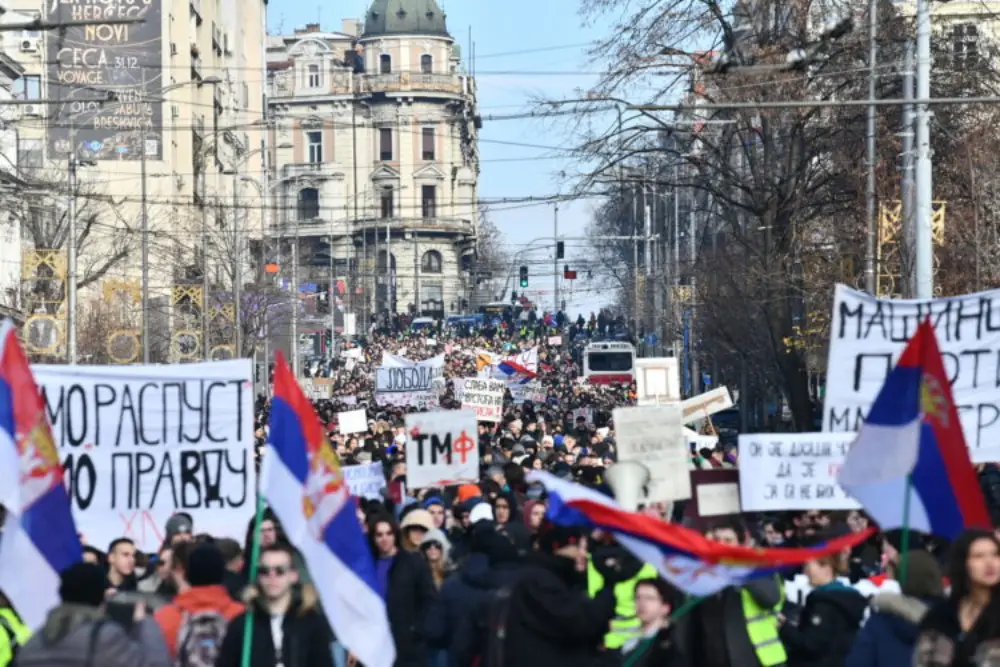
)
(39, 538)
(912, 443)
(684, 557)
(305, 487)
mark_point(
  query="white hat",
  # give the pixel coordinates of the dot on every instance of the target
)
(481, 512)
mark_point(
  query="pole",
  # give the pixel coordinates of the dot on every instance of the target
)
(266, 216)
(296, 302)
(555, 261)
(71, 257)
(924, 182)
(237, 276)
(144, 217)
(870, 150)
(354, 151)
(907, 189)
(206, 349)
(635, 258)
(692, 338)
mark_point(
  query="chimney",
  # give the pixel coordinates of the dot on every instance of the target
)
(312, 27)
(350, 27)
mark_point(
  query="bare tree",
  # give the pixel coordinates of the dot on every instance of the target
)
(493, 259)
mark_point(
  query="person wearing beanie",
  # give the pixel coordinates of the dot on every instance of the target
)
(78, 630)
(200, 581)
(889, 636)
(414, 525)
(435, 505)
(180, 528)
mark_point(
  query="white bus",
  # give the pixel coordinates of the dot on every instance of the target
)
(609, 363)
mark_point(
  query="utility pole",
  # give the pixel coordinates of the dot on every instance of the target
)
(206, 349)
(555, 261)
(907, 189)
(237, 276)
(692, 338)
(924, 195)
(71, 256)
(296, 302)
(144, 215)
(870, 150)
(635, 257)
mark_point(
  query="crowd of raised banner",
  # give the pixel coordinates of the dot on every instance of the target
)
(455, 496)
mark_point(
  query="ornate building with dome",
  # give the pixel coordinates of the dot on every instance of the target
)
(374, 165)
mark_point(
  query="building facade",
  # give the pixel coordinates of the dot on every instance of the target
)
(376, 164)
(162, 123)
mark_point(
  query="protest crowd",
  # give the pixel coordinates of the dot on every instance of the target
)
(487, 572)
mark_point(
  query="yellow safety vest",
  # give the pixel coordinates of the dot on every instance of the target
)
(762, 626)
(625, 625)
(9, 622)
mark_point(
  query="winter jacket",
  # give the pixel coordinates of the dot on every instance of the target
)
(827, 627)
(77, 636)
(408, 599)
(890, 634)
(193, 601)
(306, 641)
(941, 641)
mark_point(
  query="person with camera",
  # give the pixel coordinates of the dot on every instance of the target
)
(84, 630)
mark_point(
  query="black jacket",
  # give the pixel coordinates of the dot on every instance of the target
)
(827, 627)
(306, 642)
(941, 634)
(409, 598)
(551, 622)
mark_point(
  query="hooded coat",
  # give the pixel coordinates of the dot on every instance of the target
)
(890, 634)
(827, 627)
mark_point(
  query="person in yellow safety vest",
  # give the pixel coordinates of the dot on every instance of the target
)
(13, 634)
(625, 625)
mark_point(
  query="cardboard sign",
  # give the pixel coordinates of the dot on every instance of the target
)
(705, 405)
(555, 340)
(714, 493)
(867, 335)
(657, 380)
(652, 436)
(485, 398)
(365, 480)
(442, 448)
(140, 443)
(355, 421)
(793, 471)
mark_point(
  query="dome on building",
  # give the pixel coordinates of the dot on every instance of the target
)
(404, 17)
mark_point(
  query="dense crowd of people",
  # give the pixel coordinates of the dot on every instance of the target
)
(477, 576)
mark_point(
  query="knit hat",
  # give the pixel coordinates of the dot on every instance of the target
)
(417, 518)
(467, 491)
(551, 537)
(432, 500)
(481, 512)
(177, 524)
(206, 566)
(83, 584)
(436, 535)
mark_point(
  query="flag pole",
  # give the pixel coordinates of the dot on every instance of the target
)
(688, 605)
(251, 578)
(904, 540)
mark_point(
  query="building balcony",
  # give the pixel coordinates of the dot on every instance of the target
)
(455, 84)
(313, 169)
(454, 225)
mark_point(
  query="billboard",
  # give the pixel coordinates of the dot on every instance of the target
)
(105, 80)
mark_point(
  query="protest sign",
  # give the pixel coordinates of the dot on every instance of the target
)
(365, 480)
(793, 471)
(140, 443)
(705, 405)
(485, 398)
(399, 381)
(458, 388)
(867, 335)
(652, 436)
(442, 448)
(699, 441)
(532, 391)
(657, 380)
(555, 340)
(354, 421)
(587, 414)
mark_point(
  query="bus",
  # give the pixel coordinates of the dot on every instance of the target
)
(609, 363)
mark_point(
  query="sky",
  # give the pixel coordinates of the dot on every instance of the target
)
(525, 50)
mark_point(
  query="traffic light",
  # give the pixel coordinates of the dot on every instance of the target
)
(524, 276)
(329, 340)
(513, 296)
(560, 249)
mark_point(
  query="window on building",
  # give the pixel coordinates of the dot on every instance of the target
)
(28, 87)
(428, 201)
(432, 297)
(426, 63)
(965, 44)
(385, 144)
(314, 76)
(314, 140)
(388, 203)
(29, 154)
(427, 143)
(308, 204)
(385, 64)
(431, 262)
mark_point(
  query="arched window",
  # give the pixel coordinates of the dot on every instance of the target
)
(385, 64)
(431, 263)
(426, 63)
(308, 204)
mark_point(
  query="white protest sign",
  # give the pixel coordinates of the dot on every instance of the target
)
(354, 421)
(349, 366)
(587, 414)
(652, 436)
(700, 441)
(399, 381)
(657, 380)
(442, 449)
(720, 499)
(555, 340)
(867, 335)
(365, 480)
(704, 405)
(140, 443)
(458, 388)
(793, 471)
(485, 398)
(532, 391)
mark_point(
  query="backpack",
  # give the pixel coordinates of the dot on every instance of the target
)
(200, 639)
